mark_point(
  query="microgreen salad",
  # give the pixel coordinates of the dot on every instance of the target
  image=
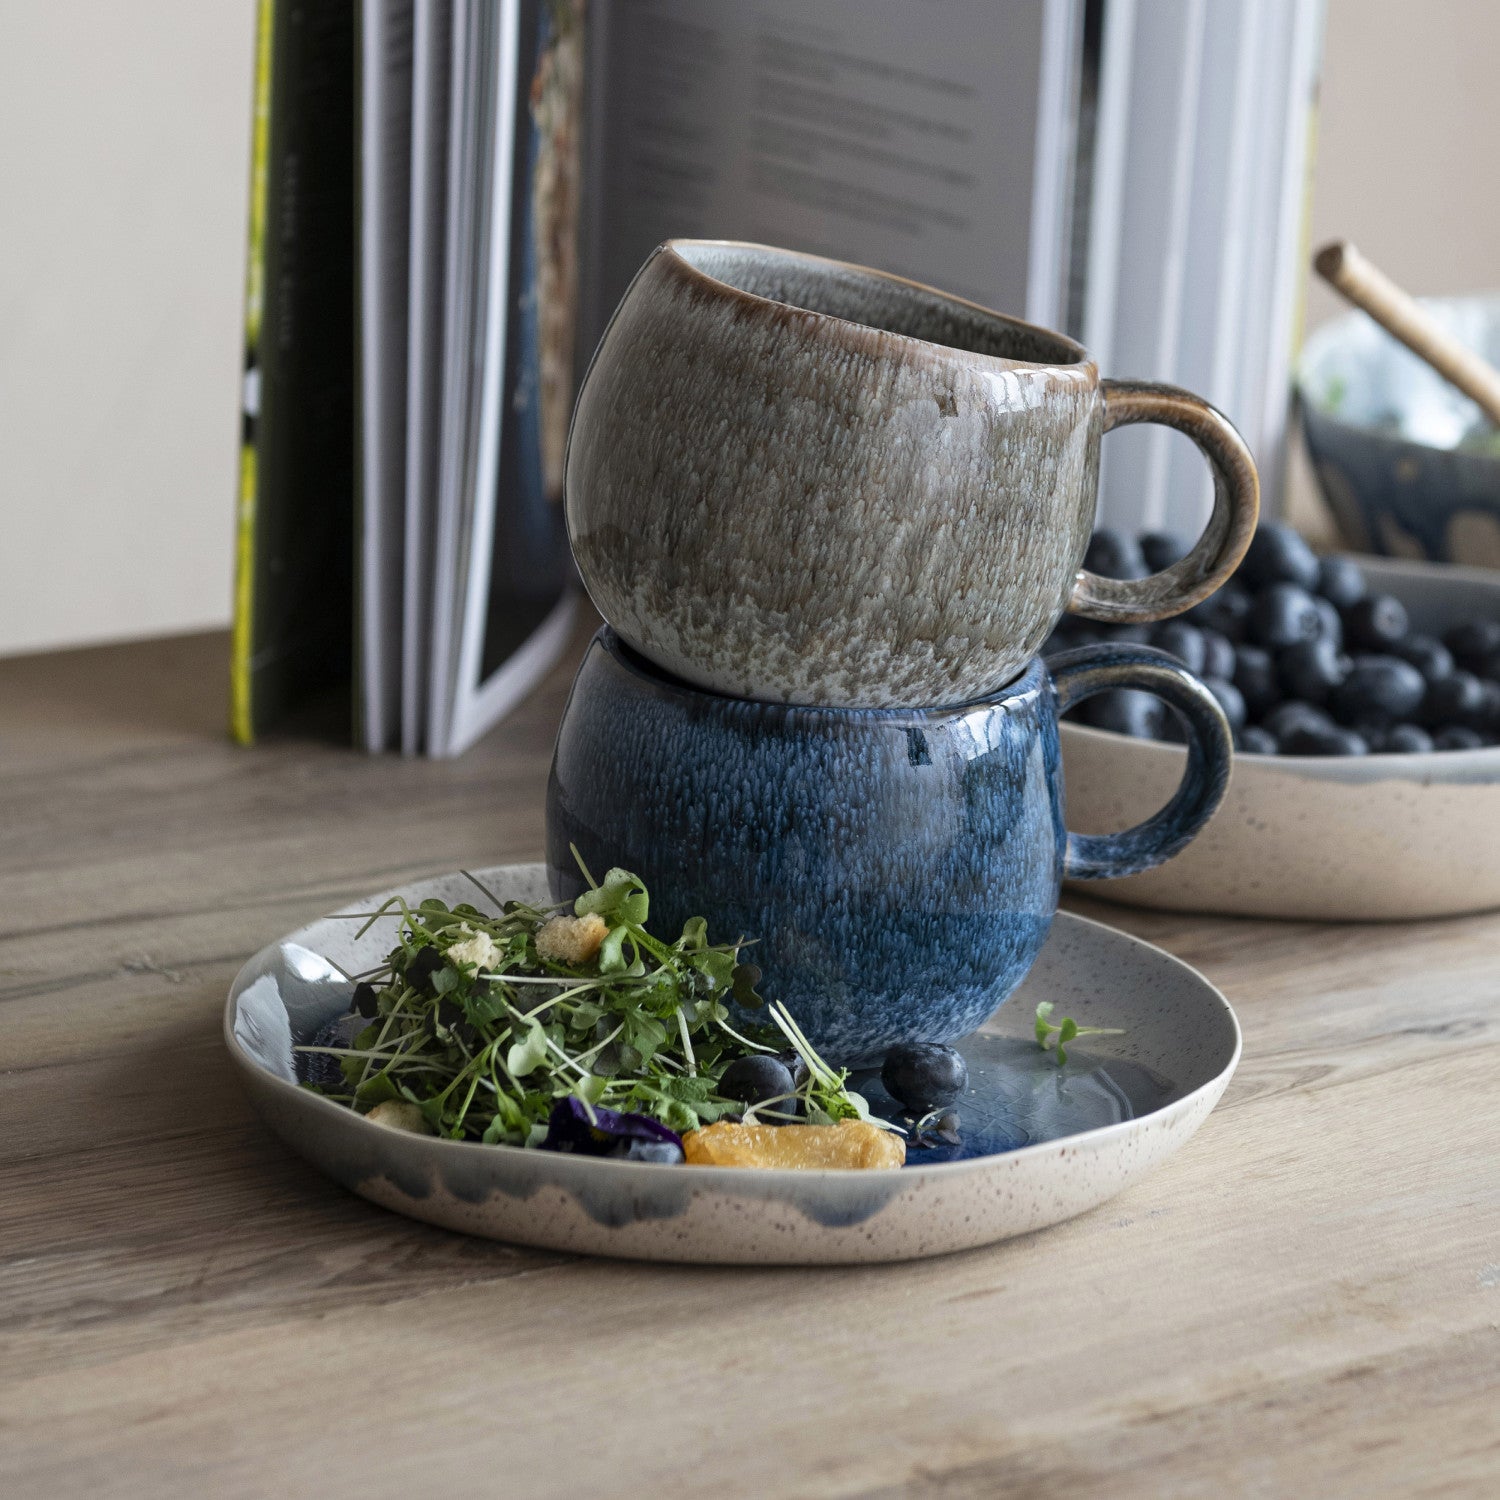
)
(566, 1028)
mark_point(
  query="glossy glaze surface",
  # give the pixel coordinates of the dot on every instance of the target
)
(796, 480)
(1059, 1140)
(898, 869)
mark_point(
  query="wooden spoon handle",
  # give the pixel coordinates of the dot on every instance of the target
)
(1346, 270)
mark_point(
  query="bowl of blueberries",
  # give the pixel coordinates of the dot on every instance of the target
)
(1364, 695)
(1408, 464)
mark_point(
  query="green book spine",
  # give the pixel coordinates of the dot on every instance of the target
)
(293, 616)
(241, 718)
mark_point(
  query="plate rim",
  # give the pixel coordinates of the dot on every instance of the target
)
(568, 1164)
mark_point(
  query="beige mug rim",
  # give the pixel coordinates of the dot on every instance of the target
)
(672, 251)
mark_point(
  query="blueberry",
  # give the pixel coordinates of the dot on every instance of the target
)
(1231, 700)
(322, 1068)
(1181, 640)
(1340, 581)
(1218, 654)
(1487, 720)
(1488, 666)
(419, 971)
(1330, 622)
(1278, 555)
(1170, 729)
(1283, 614)
(924, 1075)
(793, 1063)
(1426, 653)
(1458, 698)
(1472, 641)
(1255, 677)
(1378, 690)
(1253, 740)
(1288, 718)
(1458, 737)
(1125, 711)
(1160, 549)
(1335, 741)
(1375, 623)
(363, 1000)
(1112, 554)
(1311, 670)
(1403, 739)
(751, 1080)
(1227, 610)
(1066, 634)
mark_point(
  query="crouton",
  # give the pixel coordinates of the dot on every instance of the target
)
(571, 940)
(398, 1114)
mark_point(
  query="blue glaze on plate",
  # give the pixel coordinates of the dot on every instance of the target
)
(1019, 1095)
(898, 868)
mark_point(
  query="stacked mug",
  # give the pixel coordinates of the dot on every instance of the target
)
(830, 516)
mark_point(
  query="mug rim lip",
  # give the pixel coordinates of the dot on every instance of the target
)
(671, 249)
(1027, 683)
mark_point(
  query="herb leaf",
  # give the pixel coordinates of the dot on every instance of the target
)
(490, 1040)
(1062, 1032)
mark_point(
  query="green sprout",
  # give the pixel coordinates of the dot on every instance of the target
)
(1059, 1034)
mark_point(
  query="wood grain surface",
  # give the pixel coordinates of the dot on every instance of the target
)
(1305, 1302)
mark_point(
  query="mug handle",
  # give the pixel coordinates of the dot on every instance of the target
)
(1086, 670)
(1230, 527)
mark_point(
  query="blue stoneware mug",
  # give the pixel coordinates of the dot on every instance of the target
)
(898, 868)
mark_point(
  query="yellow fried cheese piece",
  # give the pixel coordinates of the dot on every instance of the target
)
(851, 1144)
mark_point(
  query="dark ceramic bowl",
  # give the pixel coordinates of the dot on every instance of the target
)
(898, 868)
(1406, 462)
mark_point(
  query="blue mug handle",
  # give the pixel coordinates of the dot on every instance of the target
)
(1079, 674)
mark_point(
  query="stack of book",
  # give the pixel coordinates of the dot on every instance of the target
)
(450, 196)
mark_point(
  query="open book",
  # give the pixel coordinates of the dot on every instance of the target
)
(450, 196)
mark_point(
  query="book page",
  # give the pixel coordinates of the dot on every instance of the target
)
(431, 57)
(384, 236)
(514, 605)
(903, 136)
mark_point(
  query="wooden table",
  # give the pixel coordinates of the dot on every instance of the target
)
(1305, 1302)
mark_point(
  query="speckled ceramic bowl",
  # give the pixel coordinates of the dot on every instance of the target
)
(1359, 838)
(1076, 1136)
(1384, 433)
(802, 481)
(898, 867)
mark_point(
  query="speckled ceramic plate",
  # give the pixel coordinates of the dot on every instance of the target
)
(1040, 1143)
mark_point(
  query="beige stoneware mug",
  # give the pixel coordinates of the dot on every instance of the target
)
(802, 481)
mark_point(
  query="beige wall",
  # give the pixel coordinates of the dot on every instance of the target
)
(123, 140)
(1409, 122)
(124, 129)
(1409, 109)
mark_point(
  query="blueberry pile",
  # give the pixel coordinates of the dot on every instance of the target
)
(1303, 659)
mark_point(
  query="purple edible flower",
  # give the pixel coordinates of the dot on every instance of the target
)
(609, 1133)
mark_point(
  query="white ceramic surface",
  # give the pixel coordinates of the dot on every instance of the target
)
(1175, 1023)
(1353, 838)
